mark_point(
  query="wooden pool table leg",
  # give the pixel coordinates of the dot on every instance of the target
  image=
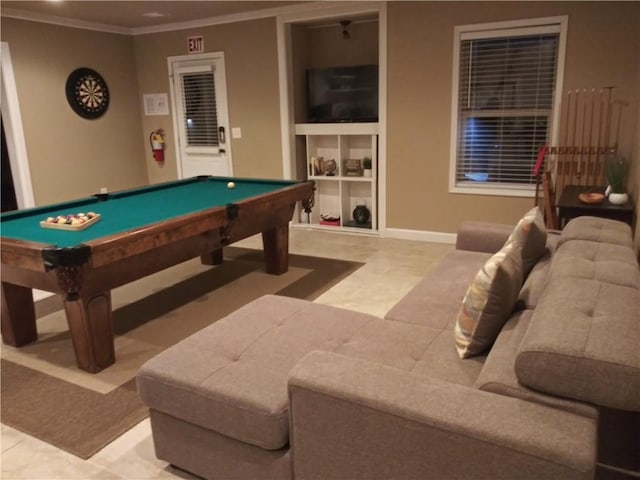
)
(18, 315)
(212, 258)
(275, 243)
(90, 324)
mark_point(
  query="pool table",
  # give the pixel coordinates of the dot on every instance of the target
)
(140, 232)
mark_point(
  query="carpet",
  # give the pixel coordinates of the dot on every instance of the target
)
(47, 397)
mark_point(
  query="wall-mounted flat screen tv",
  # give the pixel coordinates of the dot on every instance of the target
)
(342, 94)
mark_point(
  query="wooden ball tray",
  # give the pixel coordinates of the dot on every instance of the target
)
(73, 228)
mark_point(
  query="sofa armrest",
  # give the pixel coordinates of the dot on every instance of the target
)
(482, 236)
(351, 418)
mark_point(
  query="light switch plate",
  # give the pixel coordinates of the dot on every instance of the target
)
(236, 132)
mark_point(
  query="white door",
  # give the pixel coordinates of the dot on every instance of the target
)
(200, 100)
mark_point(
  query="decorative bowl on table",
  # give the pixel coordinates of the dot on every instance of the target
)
(591, 197)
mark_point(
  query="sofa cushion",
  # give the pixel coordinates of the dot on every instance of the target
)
(435, 300)
(489, 300)
(415, 348)
(535, 282)
(498, 374)
(533, 286)
(231, 377)
(441, 361)
(396, 344)
(583, 343)
(601, 230)
(483, 237)
(605, 262)
(584, 335)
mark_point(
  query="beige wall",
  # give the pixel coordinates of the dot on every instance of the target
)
(602, 49)
(251, 65)
(300, 62)
(70, 157)
(329, 49)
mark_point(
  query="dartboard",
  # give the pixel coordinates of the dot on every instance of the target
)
(87, 93)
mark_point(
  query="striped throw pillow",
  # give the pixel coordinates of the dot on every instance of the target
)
(531, 233)
(489, 301)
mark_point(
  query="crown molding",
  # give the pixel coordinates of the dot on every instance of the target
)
(222, 19)
(294, 9)
(62, 21)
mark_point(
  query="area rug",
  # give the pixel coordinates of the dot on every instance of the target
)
(47, 397)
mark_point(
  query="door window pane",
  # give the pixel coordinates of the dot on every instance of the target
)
(200, 114)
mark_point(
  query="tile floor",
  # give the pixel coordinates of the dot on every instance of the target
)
(391, 268)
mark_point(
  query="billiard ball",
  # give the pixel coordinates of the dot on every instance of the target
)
(231, 185)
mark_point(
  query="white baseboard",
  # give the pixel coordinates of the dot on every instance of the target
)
(40, 294)
(419, 235)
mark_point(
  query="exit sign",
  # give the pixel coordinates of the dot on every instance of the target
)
(195, 44)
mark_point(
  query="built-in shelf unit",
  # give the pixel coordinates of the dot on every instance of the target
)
(336, 154)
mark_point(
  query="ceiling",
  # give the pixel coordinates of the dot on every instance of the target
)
(136, 14)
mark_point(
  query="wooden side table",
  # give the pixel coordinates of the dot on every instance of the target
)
(570, 206)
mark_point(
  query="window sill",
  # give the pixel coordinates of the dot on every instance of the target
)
(526, 191)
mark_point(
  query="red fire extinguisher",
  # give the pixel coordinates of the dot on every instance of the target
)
(156, 139)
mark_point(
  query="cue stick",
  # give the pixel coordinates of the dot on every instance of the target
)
(536, 169)
(573, 135)
(607, 130)
(620, 104)
(596, 163)
(582, 131)
(566, 118)
(561, 155)
(589, 145)
(608, 117)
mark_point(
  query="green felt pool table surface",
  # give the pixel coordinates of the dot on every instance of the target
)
(131, 209)
(141, 231)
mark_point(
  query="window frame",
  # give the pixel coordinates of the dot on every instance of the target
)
(558, 25)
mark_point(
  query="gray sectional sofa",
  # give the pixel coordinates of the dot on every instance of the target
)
(284, 388)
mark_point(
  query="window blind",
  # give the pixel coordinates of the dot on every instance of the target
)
(505, 106)
(200, 113)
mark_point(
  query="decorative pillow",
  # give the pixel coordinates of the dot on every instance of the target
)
(531, 234)
(489, 301)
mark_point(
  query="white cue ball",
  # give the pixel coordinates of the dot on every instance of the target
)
(231, 185)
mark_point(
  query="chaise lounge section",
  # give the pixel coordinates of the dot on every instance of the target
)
(284, 388)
